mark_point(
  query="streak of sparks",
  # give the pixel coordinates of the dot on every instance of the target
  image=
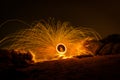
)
(43, 38)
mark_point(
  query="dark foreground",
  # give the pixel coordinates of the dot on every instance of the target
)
(90, 68)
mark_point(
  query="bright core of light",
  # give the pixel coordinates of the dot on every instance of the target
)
(61, 49)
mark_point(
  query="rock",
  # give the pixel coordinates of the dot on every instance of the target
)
(110, 45)
(15, 57)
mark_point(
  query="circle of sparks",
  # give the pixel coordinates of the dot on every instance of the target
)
(61, 48)
(50, 40)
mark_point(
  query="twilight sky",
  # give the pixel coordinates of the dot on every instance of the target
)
(101, 15)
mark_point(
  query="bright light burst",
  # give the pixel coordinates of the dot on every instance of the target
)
(51, 40)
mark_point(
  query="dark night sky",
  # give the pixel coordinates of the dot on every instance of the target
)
(101, 15)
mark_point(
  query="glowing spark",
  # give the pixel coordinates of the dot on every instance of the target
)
(51, 40)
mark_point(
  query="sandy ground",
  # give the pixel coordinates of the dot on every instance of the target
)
(89, 68)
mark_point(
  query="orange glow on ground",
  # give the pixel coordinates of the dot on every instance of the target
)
(73, 49)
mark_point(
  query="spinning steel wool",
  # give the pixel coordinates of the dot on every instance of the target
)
(51, 40)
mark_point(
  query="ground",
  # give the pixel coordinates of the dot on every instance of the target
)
(105, 67)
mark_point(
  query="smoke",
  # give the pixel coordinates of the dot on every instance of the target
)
(42, 38)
